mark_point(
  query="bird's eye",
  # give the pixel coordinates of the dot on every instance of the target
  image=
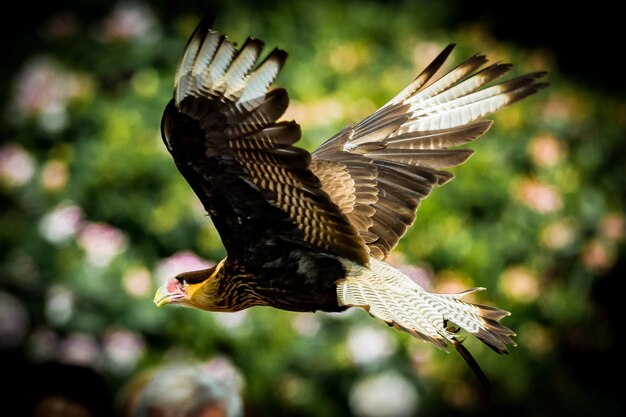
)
(182, 283)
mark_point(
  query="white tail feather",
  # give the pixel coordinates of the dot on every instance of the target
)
(389, 295)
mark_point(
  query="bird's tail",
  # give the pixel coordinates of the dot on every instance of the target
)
(389, 295)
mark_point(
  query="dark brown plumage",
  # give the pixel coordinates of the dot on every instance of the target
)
(307, 232)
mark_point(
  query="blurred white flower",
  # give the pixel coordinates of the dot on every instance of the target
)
(59, 306)
(185, 390)
(230, 321)
(102, 242)
(538, 196)
(129, 20)
(79, 349)
(384, 395)
(226, 372)
(137, 282)
(182, 261)
(306, 324)
(16, 165)
(14, 321)
(545, 150)
(369, 345)
(123, 349)
(62, 223)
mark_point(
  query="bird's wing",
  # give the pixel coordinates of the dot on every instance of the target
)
(378, 171)
(221, 129)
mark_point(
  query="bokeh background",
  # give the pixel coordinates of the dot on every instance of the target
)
(94, 215)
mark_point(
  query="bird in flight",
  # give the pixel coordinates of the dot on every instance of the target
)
(311, 231)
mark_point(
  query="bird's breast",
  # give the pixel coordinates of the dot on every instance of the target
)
(296, 281)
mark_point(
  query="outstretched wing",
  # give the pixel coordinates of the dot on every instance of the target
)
(221, 129)
(380, 170)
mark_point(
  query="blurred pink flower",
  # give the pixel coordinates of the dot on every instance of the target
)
(598, 256)
(62, 223)
(102, 242)
(557, 235)
(14, 321)
(182, 261)
(54, 175)
(137, 282)
(538, 196)
(519, 284)
(223, 369)
(16, 165)
(129, 20)
(123, 349)
(43, 89)
(613, 226)
(370, 345)
(545, 150)
(422, 276)
(79, 349)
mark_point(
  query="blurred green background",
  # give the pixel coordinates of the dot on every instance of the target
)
(94, 215)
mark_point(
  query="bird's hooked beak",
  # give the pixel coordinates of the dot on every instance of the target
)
(168, 293)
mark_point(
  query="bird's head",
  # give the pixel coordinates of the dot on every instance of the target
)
(195, 289)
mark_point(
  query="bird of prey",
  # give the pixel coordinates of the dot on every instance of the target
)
(311, 231)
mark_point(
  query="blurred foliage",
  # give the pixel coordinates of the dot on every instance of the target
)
(95, 215)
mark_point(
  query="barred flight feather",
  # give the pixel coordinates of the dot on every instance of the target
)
(387, 294)
(241, 65)
(439, 139)
(308, 232)
(419, 128)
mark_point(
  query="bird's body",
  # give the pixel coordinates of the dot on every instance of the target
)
(308, 232)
